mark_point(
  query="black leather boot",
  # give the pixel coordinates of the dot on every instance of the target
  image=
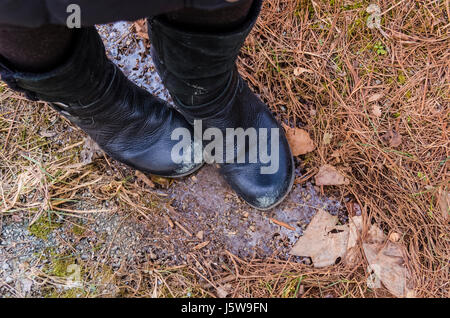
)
(198, 69)
(127, 122)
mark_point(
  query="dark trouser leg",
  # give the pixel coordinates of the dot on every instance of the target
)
(43, 48)
(217, 20)
(35, 49)
(196, 20)
(127, 122)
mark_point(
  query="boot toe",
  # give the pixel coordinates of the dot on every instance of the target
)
(261, 191)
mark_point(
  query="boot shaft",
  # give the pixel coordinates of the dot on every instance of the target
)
(196, 67)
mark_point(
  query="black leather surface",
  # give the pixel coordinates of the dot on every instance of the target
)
(198, 68)
(126, 121)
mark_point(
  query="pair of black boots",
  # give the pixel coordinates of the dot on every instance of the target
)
(136, 128)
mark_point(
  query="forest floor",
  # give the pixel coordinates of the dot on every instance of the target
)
(75, 223)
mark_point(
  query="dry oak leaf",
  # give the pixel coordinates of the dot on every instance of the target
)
(353, 255)
(392, 138)
(300, 70)
(299, 140)
(90, 151)
(387, 263)
(327, 137)
(141, 28)
(323, 240)
(385, 258)
(144, 179)
(375, 97)
(328, 175)
(373, 236)
(223, 291)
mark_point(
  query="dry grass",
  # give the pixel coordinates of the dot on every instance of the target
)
(317, 65)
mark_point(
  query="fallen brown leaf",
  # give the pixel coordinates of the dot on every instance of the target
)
(375, 97)
(327, 138)
(90, 151)
(323, 240)
(200, 235)
(300, 70)
(201, 245)
(385, 257)
(376, 111)
(223, 291)
(47, 134)
(395, 237)
(353, 255)
(299, 140)
(387, 263)
(328, 175)
(392, 138)
(141, 28)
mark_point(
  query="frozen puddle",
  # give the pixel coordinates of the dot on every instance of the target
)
(206, 203)
(132, 55)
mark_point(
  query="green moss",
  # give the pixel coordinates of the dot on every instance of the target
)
(352, 6)
(60, 265)
(379, 48)
(401, 78)
(70, 293)
(355, 27)
(88, 286)
(43, 227)
(78, 230)
(408, 94)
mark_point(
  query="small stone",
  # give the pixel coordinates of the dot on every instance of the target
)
(200, 235)
(26, 285)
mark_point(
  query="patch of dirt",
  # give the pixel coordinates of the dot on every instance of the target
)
(206, 203)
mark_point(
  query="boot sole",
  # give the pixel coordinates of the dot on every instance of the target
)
(291, 184)
(179, 176)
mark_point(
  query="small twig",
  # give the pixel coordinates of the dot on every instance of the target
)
(183, 228)
(280, 223)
